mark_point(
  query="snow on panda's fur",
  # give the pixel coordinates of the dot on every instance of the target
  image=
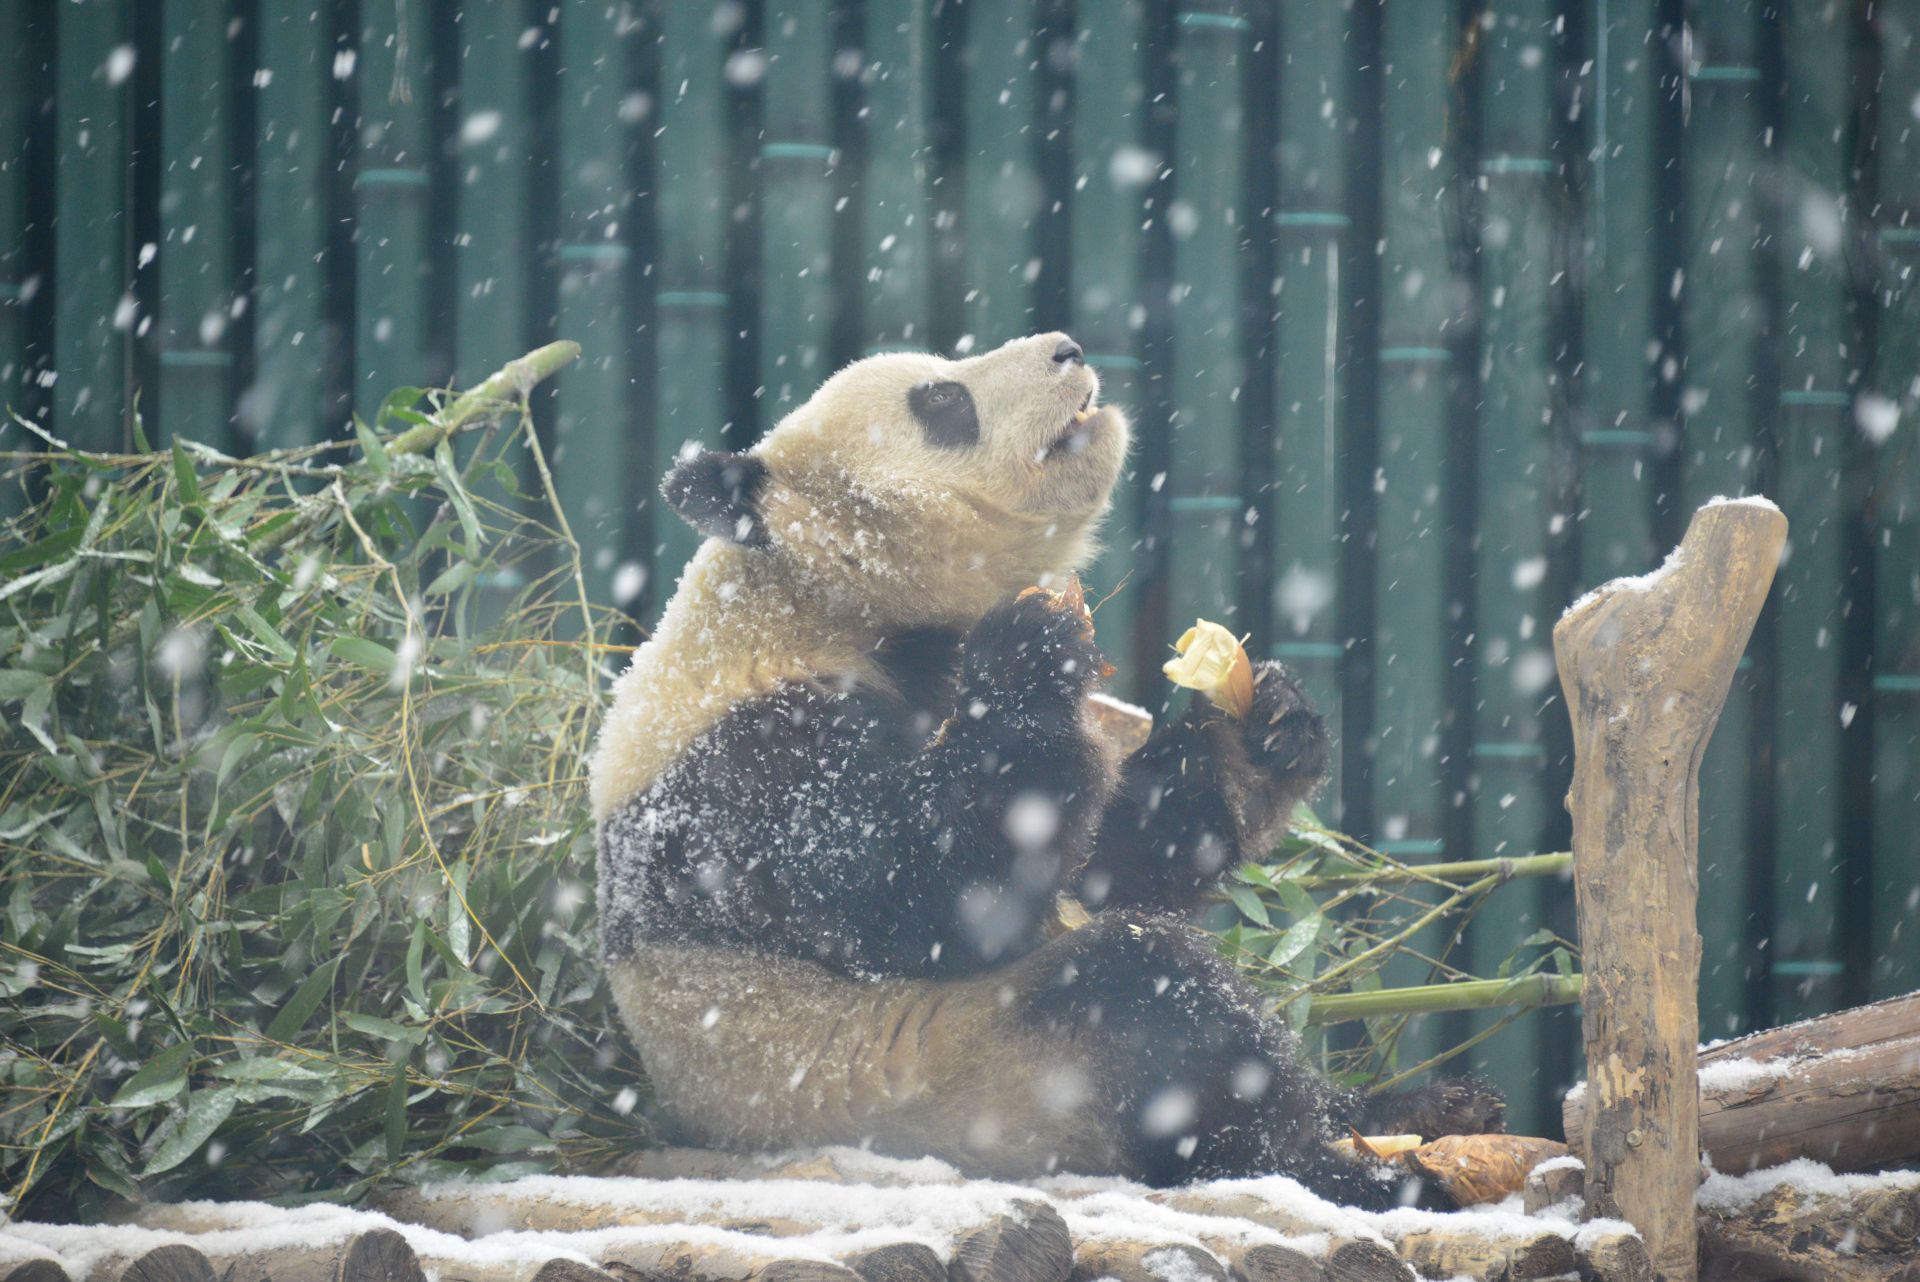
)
(842, 783)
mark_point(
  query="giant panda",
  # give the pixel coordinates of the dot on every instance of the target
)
(842, 783)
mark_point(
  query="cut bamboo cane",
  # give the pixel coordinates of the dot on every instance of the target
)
(1474, 994)
(1549, 865)
(1645, 665)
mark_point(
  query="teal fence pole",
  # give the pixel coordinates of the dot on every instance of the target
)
(1895, 504)
(1310, 229)
(95, 320)
(1519, 177)
(1113, 174)
(198, 199)
(1003, 191)
(387, 73)
(594, 429)
(897, 212)
(1727, 392)
(494, 146)
(1206, 214)
(15, 126)
(690, 278)
(292, 166)
(796, 163)
(1409, 775)
(1817, 351)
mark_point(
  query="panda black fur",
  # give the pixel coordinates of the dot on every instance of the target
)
(842, 784)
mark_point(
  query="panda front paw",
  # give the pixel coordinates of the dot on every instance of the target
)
(1283, 734)
(1035, 647)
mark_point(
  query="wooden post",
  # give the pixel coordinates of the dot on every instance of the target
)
(1645, 665)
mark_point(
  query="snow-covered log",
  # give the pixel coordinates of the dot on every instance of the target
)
(1842, 1089)
(1266, 1262)
(710, 1262)
(1029, 1245)
(377, 1255)
(1645, 665)
(1144, 1262)
(174, 1262)
(898, 1262)
(1495, 1259)
(1804, 1224)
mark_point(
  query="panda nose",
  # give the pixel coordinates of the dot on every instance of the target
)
(1068, 353)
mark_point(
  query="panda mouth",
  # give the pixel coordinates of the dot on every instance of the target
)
(1074, 436)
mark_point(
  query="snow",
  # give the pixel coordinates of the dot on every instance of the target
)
(1723, 1192)
(1742, 1074)
(893, 1201)
(1645, 582)
(1745, 500)
(1631, 583)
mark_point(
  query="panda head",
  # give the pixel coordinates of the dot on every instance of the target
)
(922, 487)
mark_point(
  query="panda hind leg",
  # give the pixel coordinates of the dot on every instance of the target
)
(1196, 1079)
(1450, 1106)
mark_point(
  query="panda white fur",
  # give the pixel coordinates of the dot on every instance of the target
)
(842, 782)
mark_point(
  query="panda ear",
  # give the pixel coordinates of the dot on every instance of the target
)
(718, 494)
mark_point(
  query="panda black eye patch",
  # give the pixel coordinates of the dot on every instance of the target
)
(946, 414)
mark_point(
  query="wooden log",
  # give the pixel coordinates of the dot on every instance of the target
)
(1346, 1257)
(1613, 1257)
(1270, 1262)
(1488, 1259)
(1144, 1262)
(898, 1262)
(1360, 1260)
(554, 1270)
(478, 1210)
(1789, 1234)
(1551, 1184)
(37, 1270)
(174, 1262)
(1645, 665)
(376, 1255)
(706, 1262)
(1030, 1245)
(1852, 1099)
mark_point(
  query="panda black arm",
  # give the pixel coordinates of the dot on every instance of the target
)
(1206, 793)
(1004, 798)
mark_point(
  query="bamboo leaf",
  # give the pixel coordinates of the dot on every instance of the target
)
(206, 1110)
(160, 1078)
(305, 1000)
(1248, 903)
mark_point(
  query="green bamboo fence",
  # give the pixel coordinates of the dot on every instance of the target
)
(1428, 318)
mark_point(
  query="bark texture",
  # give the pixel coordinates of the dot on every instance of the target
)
(1645, 665)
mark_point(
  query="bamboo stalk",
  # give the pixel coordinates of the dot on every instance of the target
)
(506, 386)
(1539, 989)
(1548, 865)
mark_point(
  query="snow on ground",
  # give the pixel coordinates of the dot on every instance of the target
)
(882, 1201)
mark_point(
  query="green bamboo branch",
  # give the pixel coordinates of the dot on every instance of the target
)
(1549, 865)
(1539, 989)
(505, 388)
